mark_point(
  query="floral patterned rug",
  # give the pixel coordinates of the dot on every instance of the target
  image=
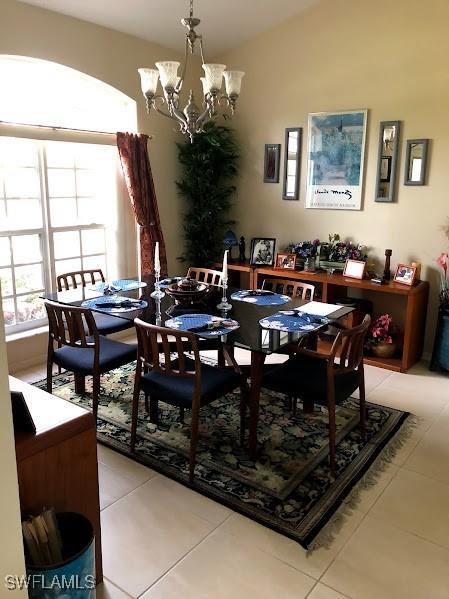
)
(288, 488)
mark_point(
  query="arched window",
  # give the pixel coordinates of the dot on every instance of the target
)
(39, 92)
(58, 193)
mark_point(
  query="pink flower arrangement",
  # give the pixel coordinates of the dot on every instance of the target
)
(443, 261)
(382, 330)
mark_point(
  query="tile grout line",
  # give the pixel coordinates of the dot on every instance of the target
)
(117, 587)
(183, 557)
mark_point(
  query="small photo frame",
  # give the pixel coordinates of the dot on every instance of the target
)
(271, 163)
(385, 169)
(405, 274)
(286, 261)
(262, 251)
(354, 269)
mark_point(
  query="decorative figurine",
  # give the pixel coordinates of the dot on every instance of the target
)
(230, 241)
(242, 248)
(387, 273)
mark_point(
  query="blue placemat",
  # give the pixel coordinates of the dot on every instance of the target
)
(259, 298)
(288, 322)
(192, 322)
(120, 285)
(120, 304)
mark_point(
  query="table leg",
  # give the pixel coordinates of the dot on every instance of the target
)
(257, 362)
(221, 361)
(311, 343)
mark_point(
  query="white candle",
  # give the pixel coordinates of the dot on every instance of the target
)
(225, 267)
(157, 264)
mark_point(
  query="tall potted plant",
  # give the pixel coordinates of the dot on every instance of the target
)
(209, 166)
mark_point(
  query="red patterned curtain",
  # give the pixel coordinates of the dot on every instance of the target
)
(133, 150)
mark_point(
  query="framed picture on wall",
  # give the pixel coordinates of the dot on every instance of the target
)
(262, 251)
(335, 160)
(271, 163)
(286, 261)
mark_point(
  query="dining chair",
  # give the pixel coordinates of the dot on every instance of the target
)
(295, 289)
(80, 348)
(205, 275)
(184, 382)
(327, 378)
(106, 323)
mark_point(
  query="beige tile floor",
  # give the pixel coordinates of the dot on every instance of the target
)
(164, 541)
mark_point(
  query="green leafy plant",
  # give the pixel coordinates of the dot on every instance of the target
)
(209, 165)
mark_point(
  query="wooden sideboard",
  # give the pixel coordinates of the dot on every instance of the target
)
(57, 466)
(336, 286)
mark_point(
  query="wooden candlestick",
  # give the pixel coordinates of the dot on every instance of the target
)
(387, 272)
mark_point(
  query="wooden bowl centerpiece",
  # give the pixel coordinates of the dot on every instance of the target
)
(187, 291)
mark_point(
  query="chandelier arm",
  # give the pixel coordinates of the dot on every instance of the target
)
(202, 119)
(164, 113)
(184, 67)
(201, 51)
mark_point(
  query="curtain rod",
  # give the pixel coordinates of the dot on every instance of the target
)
(49, 127)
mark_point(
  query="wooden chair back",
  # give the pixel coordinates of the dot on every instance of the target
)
(205, 275)
(293, 288)
(155, 345)
(349, 345)
(71, 280)
(71, 325)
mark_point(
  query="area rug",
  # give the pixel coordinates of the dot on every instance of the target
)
(288, 488)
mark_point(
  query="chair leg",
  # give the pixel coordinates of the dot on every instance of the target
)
(95, 395)
(134, 416)
(193, 440)
(147, 408)
(243, 402)
(80, 384)
(332, 450)
(181, 415)
(154, 411)
(362, 401)
(49, 376)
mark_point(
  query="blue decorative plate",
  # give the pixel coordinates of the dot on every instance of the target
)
(288, 322)
(120, 285)
(260, 297)
(203, 325)
(114, 303)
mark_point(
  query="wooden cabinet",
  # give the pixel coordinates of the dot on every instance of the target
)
(414, 303)
(57, 467)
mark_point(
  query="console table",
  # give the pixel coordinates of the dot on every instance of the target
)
(57, 466)
(333, 286)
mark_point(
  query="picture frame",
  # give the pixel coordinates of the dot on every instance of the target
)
(272, 157)
(354, 269)
(262, 251)
(385, 169)
(292, 163)
(415, 172)
(336, 159)
(286, 261)
(405, 274)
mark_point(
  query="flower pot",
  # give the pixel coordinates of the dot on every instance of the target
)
(384, 350)
(440, 354)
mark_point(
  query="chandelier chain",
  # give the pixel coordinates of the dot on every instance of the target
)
(191, 8)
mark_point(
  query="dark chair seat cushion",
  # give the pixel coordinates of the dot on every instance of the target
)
(305, 377)
(179, 391)
(112, 355)
(107, 324)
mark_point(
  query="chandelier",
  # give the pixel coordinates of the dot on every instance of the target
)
(191, 119)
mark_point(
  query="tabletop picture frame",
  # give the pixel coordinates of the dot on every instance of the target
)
(354, 269)
(405, 274)
(262, 251)
(286, 261)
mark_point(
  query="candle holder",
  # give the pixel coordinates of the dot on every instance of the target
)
(157, 293)
(158, 319)
(224, 304)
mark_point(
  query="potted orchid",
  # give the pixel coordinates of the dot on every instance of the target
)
(440, 354)
(443, 262)
(381, 337)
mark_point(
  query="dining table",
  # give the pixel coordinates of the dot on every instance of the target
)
(250, 335)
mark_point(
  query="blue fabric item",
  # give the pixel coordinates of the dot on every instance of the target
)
(266, 299)
(103, 301)
(123, 284)
(80, 359)
(107, 324)
(178, 391)
(192, 322)
(305, 377)
(293, 323)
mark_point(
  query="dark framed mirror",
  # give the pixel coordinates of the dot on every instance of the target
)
(292, 163)
(387, 161)
(416, 162)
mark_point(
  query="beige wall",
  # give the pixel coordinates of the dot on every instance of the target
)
(389, 57)
(11, 548)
